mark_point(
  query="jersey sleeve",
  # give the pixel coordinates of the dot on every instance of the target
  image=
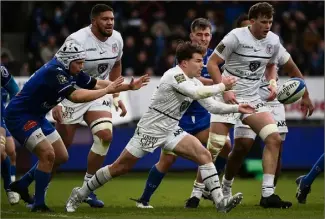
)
(275, 56)
(120, 52)
(5, 76)
(61, 83)
(83, 80)
(227, 46)
(284, 56)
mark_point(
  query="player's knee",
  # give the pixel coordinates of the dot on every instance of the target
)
(62, 158)
(105, 135)
(102, 133)
(269, 131)
(242, 146)
(48, 156)
(216, 143)
(204, 157)
(273, 140)
(226, 149)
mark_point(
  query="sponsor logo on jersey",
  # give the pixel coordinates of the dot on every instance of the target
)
(248, 47)
(29, 125)
(102, 68)
(114, 48)
(254, 65)
(220, 47)
(91, 49)
(269, 49)
(180, 78)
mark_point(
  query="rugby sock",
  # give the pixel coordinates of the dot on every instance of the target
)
(28, 178)
(211, 181)
(154, 179)
(5, 172)
(226, 186)
(13, 173)
(267, 185)
(87, 178)
(314, 172)
(42, 180)
(99, 179)
(197, 190)
(220, 164)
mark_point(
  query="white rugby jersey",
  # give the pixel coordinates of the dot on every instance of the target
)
(100, 56)
(246, 58)
(172, 98)
(282, 59)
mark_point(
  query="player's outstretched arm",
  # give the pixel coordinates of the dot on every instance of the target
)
(135, 84)
(84, 95)
(189, 89)
(217, 107)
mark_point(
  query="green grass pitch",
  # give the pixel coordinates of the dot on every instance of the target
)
(169, 199)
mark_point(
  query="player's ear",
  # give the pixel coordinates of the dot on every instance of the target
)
(191, 36)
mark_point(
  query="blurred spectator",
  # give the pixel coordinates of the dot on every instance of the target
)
(49, 50)
(151, 30)
(5, 51)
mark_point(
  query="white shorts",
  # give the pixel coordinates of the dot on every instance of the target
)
(278, 112)
(233, 118)
(73, 113)
(144, 141)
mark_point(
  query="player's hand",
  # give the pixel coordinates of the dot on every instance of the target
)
(246, 108)
(118, 104)
(230, 97)
(228, 81)
(306, 106)
(140, 82)
(111, 88)
(272, 94)
(57, 113)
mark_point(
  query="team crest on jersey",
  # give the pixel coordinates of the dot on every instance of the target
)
(254, 65)
(114, 48)
(180, 78)
(269, 49)
(62, 79)
(102, 68)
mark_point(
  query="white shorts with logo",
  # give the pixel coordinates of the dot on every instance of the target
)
(233, 118)
(144, 141)
(278, 112)
(73, 113)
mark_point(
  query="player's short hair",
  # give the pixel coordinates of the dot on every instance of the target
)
(240, 19)
(185, 51)
(201, 24)
(99, 8)
(262, 9)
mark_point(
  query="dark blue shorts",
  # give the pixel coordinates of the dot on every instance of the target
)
(22, 126)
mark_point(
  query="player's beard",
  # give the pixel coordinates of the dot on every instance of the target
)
(104, 33)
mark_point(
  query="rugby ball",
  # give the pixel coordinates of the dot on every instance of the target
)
(291, 91)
